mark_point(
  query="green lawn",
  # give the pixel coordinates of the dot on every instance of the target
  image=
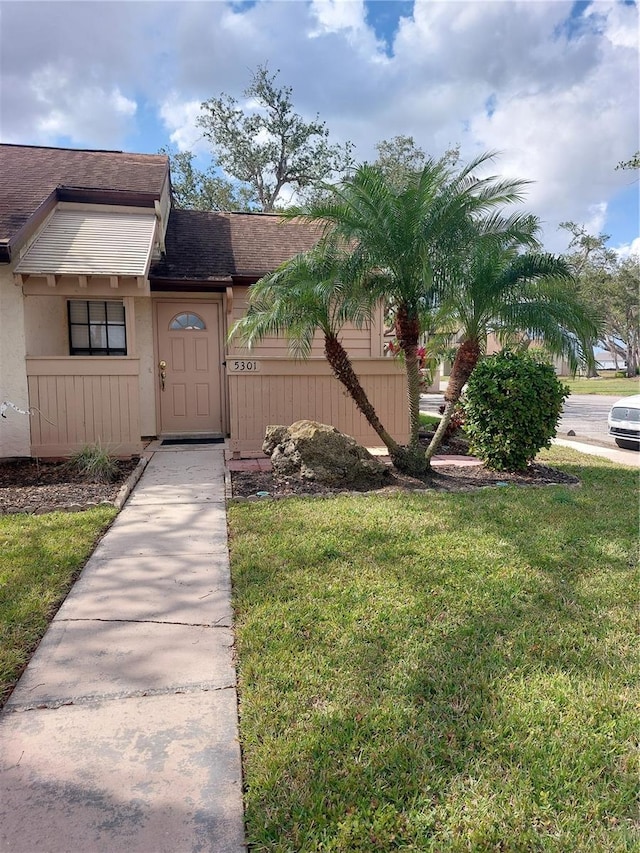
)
(441, 672)
(40, 557)
(605, 384)
(429, 421)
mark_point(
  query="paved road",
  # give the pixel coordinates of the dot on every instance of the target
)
(585, 414)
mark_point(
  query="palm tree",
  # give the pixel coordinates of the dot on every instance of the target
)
(497, 287)
(315, 291)
(401, 239)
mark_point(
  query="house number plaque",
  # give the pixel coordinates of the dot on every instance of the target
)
(242, 365)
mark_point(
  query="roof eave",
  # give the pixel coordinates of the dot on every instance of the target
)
(30, 226)
(123, 198)
(160, 283)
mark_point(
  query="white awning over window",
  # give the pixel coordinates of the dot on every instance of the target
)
(80, 242)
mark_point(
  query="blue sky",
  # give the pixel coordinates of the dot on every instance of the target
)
(553, 85)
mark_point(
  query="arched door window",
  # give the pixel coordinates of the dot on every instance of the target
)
(187, 323)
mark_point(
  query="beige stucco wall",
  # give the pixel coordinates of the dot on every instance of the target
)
(147, 377)
(14, 429)
(45, 320)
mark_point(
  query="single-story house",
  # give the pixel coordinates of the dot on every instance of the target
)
(115, 309)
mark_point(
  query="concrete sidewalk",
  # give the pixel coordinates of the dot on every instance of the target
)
(613, 454)
(122, 732)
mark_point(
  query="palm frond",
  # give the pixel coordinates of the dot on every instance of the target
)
(314, 291)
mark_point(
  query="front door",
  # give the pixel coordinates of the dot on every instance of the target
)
(188, 367)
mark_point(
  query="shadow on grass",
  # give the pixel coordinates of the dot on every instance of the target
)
(40, 558)
(442, 672)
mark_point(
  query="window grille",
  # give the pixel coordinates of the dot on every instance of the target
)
(97, 327)
(188, 322)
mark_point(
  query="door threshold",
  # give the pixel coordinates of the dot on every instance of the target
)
(190, 439)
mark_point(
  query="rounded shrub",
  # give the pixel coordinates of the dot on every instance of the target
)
(512, 407)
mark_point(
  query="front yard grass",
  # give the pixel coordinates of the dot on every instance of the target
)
(40, 557)
(441, 672)
(604, 384)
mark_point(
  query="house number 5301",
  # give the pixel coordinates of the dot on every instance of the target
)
(241, 365)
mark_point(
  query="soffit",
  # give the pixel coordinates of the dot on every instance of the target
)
(75, 242)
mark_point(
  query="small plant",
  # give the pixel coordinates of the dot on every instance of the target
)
(513, 404)
(94, 464)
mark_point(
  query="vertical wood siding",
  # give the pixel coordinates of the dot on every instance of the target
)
(76, 406)
(283, 392)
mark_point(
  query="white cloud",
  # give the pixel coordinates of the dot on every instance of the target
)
(566, 131)
(83, 113)
(597, 216)
(556, 90)
(620, 21)
(336, 15)
(180, 118)
(628, 250)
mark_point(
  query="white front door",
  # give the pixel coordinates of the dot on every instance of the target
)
(188, 369)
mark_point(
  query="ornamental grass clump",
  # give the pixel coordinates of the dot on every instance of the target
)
(512, 408)
(94, 464)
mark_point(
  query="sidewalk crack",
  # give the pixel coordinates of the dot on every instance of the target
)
(216, 624)
(98, 698)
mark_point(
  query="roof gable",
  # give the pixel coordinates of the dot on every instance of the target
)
(78, 242)
(31, 175)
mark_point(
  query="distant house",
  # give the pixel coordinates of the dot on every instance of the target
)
(115, 310)
(605, 361)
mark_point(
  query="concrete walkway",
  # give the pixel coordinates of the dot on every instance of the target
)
(122, 733)
(613, 454)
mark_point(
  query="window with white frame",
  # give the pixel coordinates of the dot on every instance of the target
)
(97, 327)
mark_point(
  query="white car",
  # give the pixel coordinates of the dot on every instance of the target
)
(624, 422)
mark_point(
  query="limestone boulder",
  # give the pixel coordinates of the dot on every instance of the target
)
(323, 454)
(273, 436)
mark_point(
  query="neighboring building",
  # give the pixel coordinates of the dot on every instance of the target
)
(115, 310)
(605, 361)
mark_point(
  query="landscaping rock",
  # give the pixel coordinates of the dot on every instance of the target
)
(320, 453)
(273, 436)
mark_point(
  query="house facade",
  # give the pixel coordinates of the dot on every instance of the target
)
(115, 310)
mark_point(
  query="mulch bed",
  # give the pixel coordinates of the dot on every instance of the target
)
(446, 478)
(27, 485)
(254, 485)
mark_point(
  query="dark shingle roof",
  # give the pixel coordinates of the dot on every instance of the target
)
(205, 246)
(29, 174)
(200, 245)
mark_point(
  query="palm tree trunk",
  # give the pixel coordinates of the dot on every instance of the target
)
(464, 363)
(408, 333)
(343, 370)
(404, 459)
